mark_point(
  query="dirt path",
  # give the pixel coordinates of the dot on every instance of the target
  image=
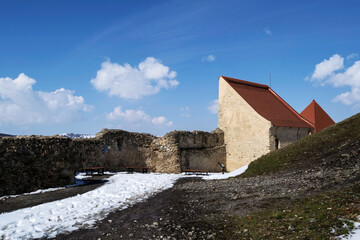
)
(197, 209)
(23, 201)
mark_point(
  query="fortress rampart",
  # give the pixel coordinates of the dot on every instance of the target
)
(28, 163)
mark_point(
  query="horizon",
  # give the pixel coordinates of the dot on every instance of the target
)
(153, 67)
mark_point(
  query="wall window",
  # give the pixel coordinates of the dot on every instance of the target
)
(276, 143)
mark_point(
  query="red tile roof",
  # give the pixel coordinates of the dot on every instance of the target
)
(268, 104)
(315, 114)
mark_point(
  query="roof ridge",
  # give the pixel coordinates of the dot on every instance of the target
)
(315, 103)
(291, 108)
(244, 82)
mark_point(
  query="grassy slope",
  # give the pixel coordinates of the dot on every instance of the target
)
(307, 149)
(322, 216)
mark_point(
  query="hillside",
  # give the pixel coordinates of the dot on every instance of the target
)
(5, 135)
(333, 146)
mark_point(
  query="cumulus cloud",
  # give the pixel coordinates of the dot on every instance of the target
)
(267, 31)
(348, 77)
(130, 82)
(161, 121)
(185, 111)
(214, 106)
(21, 105)
(209, 58)
(327, 67)
(137, 117)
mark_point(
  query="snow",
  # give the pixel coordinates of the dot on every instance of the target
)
(217, 176)
(82, 175)
(355, 234)
(83, 211)
(49, 219)
(79, 176)
(35, 192)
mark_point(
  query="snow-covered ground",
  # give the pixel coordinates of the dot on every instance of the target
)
(35, 192)
(216, 176)
(79, 176)
(121, 191)
(355, 234)
(50, 219)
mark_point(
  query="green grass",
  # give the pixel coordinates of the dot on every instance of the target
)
(312, 147)
(319, 217)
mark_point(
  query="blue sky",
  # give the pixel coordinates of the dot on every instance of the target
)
(153, 66)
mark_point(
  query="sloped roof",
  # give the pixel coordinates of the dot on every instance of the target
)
(268, 104)
(316, 115)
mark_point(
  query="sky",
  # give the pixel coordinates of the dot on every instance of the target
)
(153, 66)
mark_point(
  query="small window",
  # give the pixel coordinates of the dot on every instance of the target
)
(276, 143)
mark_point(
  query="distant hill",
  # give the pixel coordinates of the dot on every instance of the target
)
(76, 135)
(6, 135)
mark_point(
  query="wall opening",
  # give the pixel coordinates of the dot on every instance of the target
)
(276, 143)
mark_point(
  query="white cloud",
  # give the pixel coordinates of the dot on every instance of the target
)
(348, 77)
(349, 98)
(214, 106)
(267, 31)
(137, 117)
(209, 58)
(130, 82)
(327, 67)
(161, 121)
(185, 111)
(352, 56)
(21, 105)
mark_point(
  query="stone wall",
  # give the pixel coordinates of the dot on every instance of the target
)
(286, 135)
(201, 150)
(28, 163)
(246, 132)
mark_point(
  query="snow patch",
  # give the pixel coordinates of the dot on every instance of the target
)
(217, 176)
(82, 211)
(355, 234)
(31, 193)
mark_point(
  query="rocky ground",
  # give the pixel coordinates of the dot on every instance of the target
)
(198, 209)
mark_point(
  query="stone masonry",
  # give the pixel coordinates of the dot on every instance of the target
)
(34, 162)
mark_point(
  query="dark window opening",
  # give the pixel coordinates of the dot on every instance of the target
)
(276, 143)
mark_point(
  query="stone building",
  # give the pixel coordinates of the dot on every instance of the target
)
(255, 121)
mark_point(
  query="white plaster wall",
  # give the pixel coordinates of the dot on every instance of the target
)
(246, 133)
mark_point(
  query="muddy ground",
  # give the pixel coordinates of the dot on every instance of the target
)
(23, 201)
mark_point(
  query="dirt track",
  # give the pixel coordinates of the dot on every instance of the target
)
(196, 209)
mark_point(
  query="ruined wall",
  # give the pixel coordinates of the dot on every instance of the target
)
(30, 163)
(286, 135)
(202, 150)
(246, 133)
